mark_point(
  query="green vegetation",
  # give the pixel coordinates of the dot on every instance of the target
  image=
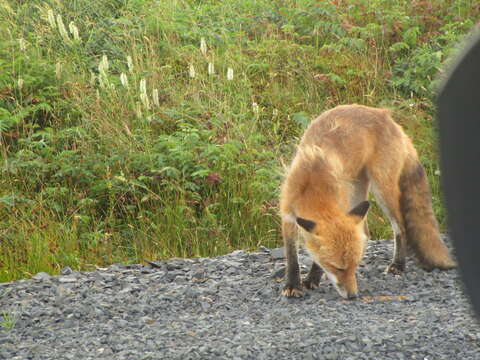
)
(123, 138)
(8, 320)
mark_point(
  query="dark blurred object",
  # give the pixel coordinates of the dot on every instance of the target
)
(459, 122)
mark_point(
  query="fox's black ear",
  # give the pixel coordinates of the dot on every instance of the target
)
(306, 224)
(360, 210)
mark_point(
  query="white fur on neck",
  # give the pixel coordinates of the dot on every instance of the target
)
(288, 218)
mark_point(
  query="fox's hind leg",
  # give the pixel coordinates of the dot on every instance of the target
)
(387, 193)
(293, 286)
(359, 193)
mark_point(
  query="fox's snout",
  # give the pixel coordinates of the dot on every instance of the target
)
(345, 293)
(345, 286)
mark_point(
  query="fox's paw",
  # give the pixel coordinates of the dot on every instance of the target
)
(311, 283)
(292, 291)
(395, 269)
(448, 265)
(445, 265)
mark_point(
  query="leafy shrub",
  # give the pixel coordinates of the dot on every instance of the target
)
(415, 71)
(28, 89)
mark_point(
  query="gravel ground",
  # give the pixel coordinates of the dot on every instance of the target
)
(230, 307)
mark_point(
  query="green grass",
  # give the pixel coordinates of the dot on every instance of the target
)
(94, 171)
(8, 321)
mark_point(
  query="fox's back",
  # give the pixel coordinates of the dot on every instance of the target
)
(349, 124)
(354, 134)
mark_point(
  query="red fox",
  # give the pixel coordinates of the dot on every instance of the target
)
(342, 154)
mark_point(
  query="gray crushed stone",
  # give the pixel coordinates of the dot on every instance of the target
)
(230, 307)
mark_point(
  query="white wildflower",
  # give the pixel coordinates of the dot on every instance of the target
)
(255, 108)
(74, 31)
(229, 74)
(275, 112)
(103, 65)
(22, 44)
(211, 69)
(155, 97)
(124, 80)
(145, 101)
(143, 86)
(51, 19)
(105, 62)
(191, 71)
(130, 63)
(102, 69)
(20, 83)
(61, 29)
(203, 46)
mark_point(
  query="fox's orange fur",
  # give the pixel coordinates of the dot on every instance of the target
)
(343, 154)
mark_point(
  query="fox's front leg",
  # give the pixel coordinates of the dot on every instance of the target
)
(312, 281)
(293, 286)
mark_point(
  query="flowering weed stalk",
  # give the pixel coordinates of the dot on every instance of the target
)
(62, 30)
(229, 74)
(74, 31)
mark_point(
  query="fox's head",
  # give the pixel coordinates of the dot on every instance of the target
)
(338, 246)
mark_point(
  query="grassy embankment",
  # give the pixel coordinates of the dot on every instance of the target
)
(122, 138)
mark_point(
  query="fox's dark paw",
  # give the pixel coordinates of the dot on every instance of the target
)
(292, 291)
(311, 283)
(395, 269)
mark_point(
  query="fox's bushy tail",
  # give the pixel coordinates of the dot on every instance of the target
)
(421, 226)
